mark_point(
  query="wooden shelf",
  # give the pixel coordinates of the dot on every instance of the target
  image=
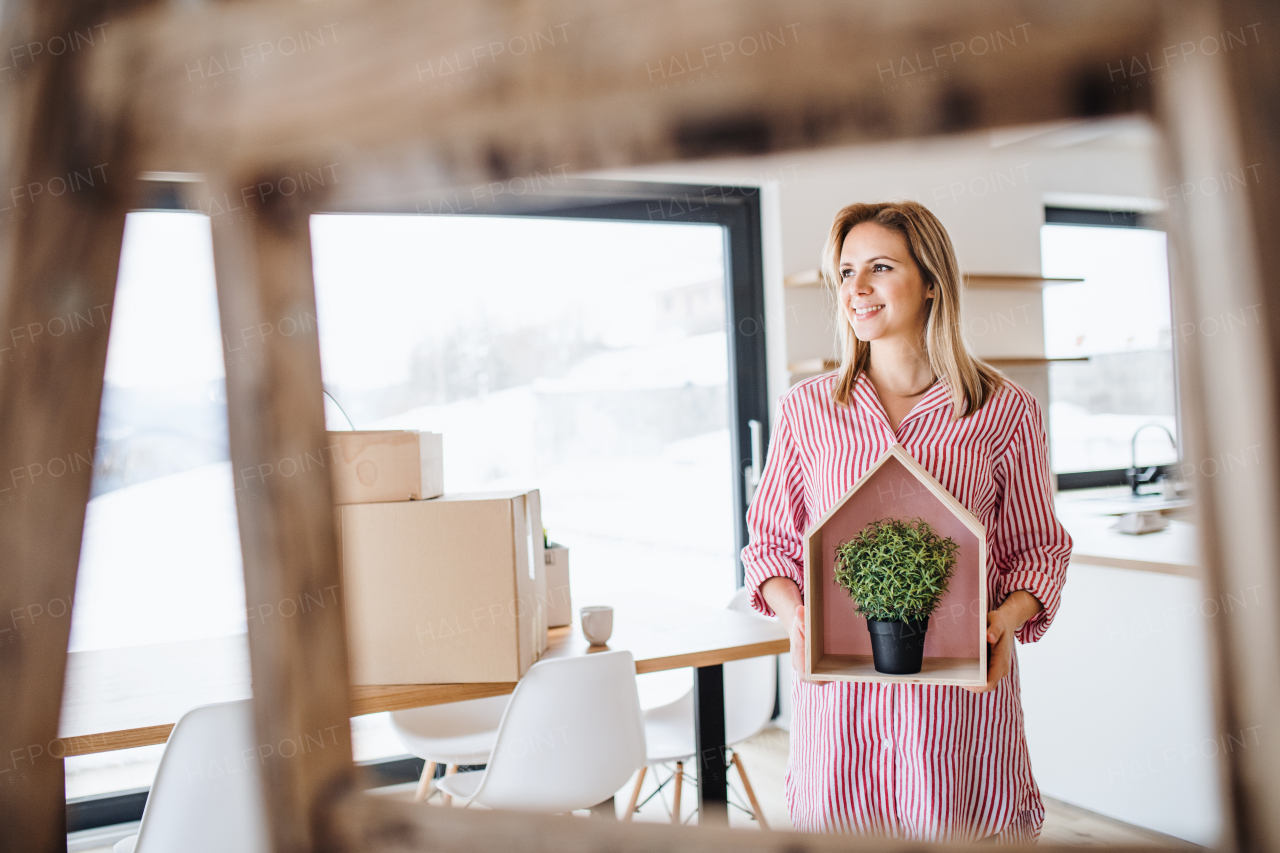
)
(804, 278)
(813, 365)
(1002, 281)
(1028, 362)
(934, 670)
(987, 281)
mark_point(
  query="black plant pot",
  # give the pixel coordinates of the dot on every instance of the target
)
(897, 647)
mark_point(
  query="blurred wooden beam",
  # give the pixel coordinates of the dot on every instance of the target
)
(453, 94)
(266, 300)
(1221, 116)
(68, 189)
(376, 824)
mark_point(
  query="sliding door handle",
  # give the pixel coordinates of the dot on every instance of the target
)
(751, 473)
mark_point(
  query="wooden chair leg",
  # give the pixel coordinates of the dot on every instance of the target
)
(449, 771)
(424, 784)
(751, 795)
(675, 808)
(635, 794)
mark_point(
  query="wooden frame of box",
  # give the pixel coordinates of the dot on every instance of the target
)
(837, 644)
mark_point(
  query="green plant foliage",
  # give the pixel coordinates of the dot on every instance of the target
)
(896, 569)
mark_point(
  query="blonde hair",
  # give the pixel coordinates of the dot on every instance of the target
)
(972, 381)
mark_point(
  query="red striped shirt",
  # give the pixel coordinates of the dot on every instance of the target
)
(913, 761)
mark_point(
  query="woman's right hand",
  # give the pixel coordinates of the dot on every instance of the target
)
(796, 630)
(784, 598)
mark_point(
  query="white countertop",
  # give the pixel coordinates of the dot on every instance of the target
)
(1089, 513)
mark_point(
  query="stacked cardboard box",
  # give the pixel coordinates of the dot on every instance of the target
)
(371, 466)
(442, 590)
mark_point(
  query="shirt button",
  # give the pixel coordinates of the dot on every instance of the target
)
(887, 744)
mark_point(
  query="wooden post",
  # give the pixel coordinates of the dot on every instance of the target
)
(1219, 115)
(68, 186)
(284, 501)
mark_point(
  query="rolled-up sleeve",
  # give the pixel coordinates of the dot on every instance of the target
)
(776, 519)
(1030, 548)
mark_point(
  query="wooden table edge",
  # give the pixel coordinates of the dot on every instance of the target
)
(373, 699)
(110, 741)
(1155, 567)
(711, 658)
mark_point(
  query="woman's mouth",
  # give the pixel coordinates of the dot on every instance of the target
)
(864, 311)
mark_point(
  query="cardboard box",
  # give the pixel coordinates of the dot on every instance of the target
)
(837, 644)
(370, 466)
(559, 602)
(443, 591)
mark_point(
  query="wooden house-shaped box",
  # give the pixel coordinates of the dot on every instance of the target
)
(837, 644)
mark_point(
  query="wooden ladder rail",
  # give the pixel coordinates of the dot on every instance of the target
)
(57, 284)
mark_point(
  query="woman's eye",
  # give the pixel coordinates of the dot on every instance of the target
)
(846, 273)
(879, 267)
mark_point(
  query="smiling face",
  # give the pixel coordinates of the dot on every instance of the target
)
(882, 292)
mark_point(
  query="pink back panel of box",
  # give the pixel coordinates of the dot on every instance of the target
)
(894, 492)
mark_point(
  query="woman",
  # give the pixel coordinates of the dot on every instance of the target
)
(913, 761)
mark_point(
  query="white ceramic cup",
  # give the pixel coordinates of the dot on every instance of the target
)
(597, 624)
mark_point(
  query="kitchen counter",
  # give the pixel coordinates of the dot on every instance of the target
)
(1088, 513)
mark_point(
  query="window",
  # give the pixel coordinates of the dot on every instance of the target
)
(603, 355)
(584, 358)
(160, 555)
(609, 352)
(1117, 322)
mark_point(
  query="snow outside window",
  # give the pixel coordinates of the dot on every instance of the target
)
(1118, 318)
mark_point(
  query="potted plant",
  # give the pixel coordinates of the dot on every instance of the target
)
(896, 572)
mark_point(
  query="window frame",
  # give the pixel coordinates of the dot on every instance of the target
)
(1113, 218)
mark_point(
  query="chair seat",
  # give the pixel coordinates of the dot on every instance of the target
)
(664, 687)
(571, 737)
(668, 732)
(668, 740)
(474, 748)
(453, 733)
(125, 845)
(461, 786)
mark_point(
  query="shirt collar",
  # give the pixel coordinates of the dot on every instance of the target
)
(936, 397)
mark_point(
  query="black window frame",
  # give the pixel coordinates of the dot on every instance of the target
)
(1112, 218)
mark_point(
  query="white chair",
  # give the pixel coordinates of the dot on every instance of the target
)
(571, 737)
(451, 734)
(750, 687)
(207, 795)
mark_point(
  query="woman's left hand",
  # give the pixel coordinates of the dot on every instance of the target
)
(1002, 624)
